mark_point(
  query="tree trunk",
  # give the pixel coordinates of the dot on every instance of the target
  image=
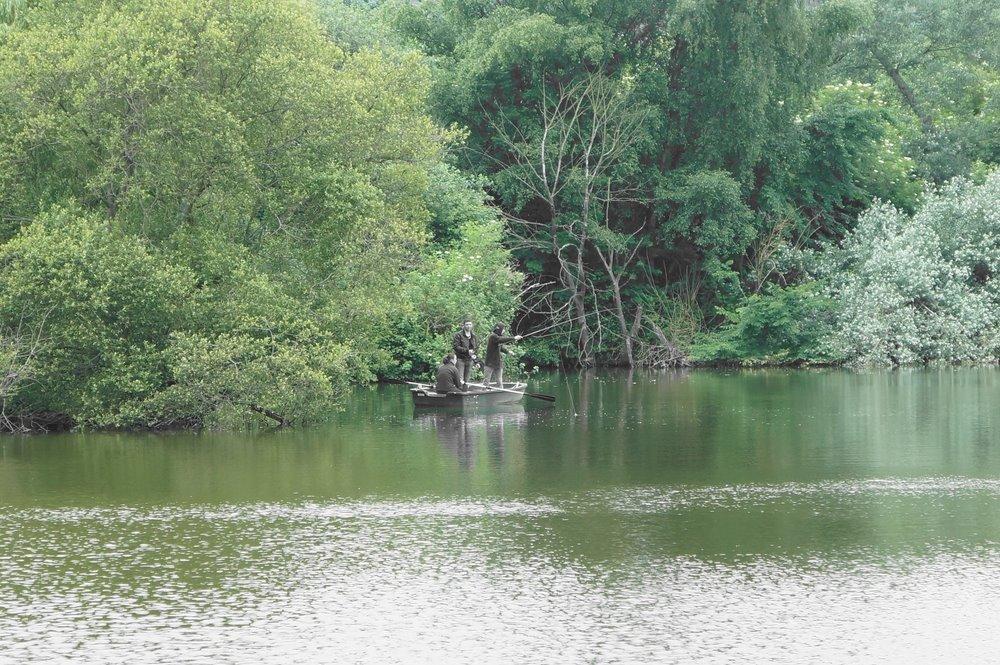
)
(671, 156)
(576, 285)
(580, 300)
(584, 338)
(674, 357)
(616, 292)
(278, 418)
(906, 92)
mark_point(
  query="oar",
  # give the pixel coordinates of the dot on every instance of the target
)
(418, 385)
(547, 398)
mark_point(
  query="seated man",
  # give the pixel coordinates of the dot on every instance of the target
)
(449, 380)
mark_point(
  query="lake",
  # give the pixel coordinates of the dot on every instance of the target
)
(704, 516)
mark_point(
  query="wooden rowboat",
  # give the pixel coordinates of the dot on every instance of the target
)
(425, 397)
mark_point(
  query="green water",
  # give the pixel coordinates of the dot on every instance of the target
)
(773, 516)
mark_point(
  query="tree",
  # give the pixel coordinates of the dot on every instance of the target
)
(712, 157)
(939, 58)
(19, 348)
(920, 288)
(211, 206)
(242, 119)
(900, 38)
(573, 157)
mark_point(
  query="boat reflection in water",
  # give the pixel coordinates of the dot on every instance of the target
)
(460, 432)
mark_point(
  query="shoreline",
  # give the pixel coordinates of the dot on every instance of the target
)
(59, 424)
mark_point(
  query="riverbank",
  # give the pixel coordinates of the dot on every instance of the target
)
(542, 379)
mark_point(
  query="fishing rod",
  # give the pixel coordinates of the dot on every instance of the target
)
(563, 323)
(547, 398)
(541, 330)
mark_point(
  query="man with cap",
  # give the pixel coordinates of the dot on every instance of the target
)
(493, 369)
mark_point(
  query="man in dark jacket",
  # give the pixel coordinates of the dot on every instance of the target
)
(464, 343)
(493, 370)
(448, 378)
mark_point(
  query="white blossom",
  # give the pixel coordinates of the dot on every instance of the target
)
(924, 288)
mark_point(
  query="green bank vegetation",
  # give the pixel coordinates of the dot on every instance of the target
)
(215, 213)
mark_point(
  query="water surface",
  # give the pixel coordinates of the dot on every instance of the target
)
(773, 516)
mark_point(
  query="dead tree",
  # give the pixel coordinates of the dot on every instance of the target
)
(19, 348)
(568, 158)
(616, 251)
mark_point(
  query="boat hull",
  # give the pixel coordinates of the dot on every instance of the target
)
(425, 397)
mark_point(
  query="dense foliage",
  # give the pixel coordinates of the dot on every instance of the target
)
(937, 60)
(465, 277)
(778, 325)
(214, 213)
(211, 212)
(657, 154)
(922, 287)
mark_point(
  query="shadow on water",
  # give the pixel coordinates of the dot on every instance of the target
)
(460, 431)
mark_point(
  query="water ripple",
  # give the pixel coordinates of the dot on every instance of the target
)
(599, 576)
(657, 499)
(377, 509)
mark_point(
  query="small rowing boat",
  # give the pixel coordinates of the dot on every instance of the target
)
(425, 396)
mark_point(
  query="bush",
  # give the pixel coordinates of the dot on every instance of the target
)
(102, 306)
(921, 288)
(778, 325)
(125, 338)
(710, 211)
(469, 280)
(224, 380)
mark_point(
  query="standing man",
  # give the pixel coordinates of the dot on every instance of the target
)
(464, 344)
(494, 355)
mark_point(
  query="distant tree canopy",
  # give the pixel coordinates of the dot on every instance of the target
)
(938, 60)
(172, 117)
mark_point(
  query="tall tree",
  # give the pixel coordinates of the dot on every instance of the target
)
(940, 60)
(209, 211)
(573, 157)
(707, 167)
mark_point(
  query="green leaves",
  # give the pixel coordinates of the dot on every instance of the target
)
(779, 325)
(920, 288)
(711, 210)
(471, 277)
(853, 155)
(933, 60)
(226, 379)
(102, 305)
(128, 339)
(211, 211)
(178, 114)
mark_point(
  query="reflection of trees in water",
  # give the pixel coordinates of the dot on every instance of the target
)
(458, 432)
(609, 407)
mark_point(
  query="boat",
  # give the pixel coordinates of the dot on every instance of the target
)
(425, 396)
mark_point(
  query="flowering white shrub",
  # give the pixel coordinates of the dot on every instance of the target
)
(921, 288)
